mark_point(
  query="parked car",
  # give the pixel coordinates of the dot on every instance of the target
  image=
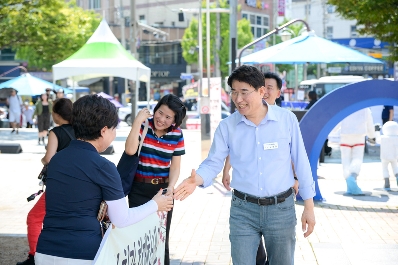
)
(125, 112)
(192, 120)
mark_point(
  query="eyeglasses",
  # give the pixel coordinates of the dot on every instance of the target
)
(243, 94)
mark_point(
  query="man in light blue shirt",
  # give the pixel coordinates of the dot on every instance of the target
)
(262, 142)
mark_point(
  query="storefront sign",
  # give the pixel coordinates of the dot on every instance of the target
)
(160, 73)
(334, 70)
(364, 68)
(281, 8)
(256, 4)
(190, 90)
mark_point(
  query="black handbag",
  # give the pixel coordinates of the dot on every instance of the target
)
(128, 164)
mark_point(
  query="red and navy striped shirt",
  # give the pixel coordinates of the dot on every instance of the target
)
(156, 152)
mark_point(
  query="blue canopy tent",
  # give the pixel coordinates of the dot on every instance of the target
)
(28, 85)
(307, 48)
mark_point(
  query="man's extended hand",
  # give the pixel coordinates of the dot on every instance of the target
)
(186, 188)
(308, 218)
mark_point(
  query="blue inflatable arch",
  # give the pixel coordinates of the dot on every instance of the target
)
(327, 112)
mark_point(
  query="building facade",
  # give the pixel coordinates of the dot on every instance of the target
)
(160, 30)
(327, 23)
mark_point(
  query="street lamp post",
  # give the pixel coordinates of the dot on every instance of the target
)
(286, 36)
(276, 30)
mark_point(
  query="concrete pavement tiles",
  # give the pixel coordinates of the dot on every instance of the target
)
(349, 230)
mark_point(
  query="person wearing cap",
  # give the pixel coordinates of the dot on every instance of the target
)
(60, 93)
(262, 142)
(49, 95)
(14, 103)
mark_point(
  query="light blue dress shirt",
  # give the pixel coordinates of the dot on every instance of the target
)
(260, 155)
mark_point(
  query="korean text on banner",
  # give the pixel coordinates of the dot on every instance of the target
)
(142, 243)
(281, 8)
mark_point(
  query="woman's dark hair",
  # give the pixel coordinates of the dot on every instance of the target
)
(176, 105)
(41, 96)
(91, 113)
(63, 107)
(247, 74)
(312, 95)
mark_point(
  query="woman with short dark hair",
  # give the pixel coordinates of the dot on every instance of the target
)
(160, 156)
(79, 178)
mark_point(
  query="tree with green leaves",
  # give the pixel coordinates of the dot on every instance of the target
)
(44, 32)
(376, 18)
(190, 38)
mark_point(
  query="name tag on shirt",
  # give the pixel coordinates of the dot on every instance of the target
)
(269, 146)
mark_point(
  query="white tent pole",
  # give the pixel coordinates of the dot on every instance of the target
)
(74, 90)
(148, 90)
(137, 89)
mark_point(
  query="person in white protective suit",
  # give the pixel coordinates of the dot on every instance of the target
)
(389, 151)
(354, 128)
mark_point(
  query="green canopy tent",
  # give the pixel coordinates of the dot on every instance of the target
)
(102, 55)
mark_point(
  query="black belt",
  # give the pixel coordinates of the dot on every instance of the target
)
(263, 201)
(154, 181)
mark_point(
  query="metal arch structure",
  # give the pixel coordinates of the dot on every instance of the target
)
(328, 111)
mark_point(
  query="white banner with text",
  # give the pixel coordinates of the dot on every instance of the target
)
(142, 243)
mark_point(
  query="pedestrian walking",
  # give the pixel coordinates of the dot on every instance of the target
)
(14, 103)
(43, 112)
(353, 130)
(389, 151)
(28, 113)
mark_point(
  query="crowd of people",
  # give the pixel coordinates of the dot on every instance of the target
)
(39, 115)
(261, 141)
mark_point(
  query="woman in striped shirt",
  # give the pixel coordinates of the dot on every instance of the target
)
(160, 156)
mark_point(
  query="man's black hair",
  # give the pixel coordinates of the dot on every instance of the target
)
(91, 113)
(270, 75)
(247, 74)
(176, 105)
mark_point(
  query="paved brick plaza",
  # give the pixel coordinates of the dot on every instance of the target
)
(349, 230)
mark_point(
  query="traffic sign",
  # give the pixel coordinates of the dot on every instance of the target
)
(186, 76)
(205, 110)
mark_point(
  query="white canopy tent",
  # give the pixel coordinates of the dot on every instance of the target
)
(102, 55)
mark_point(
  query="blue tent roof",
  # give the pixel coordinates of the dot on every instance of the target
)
(307, 48)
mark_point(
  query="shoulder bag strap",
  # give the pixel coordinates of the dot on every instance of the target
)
(143, 136)
(68, 133)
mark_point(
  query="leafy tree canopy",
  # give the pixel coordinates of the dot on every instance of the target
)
(190, 38)
(44, 32)
(376, 18)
